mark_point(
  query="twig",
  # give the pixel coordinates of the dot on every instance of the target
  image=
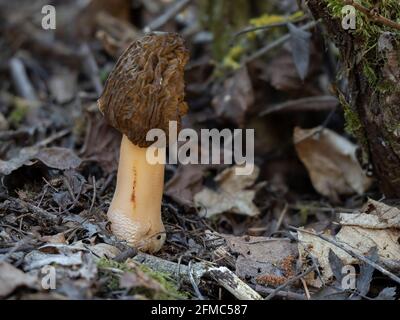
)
(193, 283)
(231, 282)
(267, 26)
(308, 102)
(277, 43)
(52, 138)
(373, 15)
(352, 253)
(21, 80)
(91, 68)
(222, 275)
(34, 209)
(168, 15)
(283, 294)
(94, 195)
(290, 281)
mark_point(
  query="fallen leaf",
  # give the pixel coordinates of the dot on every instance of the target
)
(232, 194)
(375, 215)
(104, 250)
(236, 98)
(331, 162)
(57, 238)
(387, 294)
(12, 278)
(300, 45)
(359, 240)
(55, 253)
(58, 158)
(268, 261)
(54, 157)
(185, 183)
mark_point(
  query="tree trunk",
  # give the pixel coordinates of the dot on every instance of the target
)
(373, 94)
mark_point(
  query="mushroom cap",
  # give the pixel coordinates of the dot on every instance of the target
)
(145, 90)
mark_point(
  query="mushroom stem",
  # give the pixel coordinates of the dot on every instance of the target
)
(135, 210)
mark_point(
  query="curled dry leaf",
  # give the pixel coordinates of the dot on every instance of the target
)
(331, 162)
(12, 278)
(375, 215)
(232, 194)
(105, 250)
(268, 261)
(54, 157)
(360, 232)
(236, 98)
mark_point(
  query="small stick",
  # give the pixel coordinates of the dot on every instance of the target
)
(267, 26)
(231, 282)
(282, 294)
(36, 210)
(168, 15)
(91, 68)
(277, 43)
(94, 194)
(21, 80)
(323, 103)
(193, 283)
(291, 280)
(222, 275)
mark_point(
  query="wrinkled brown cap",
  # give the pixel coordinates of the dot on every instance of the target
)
(145, 90)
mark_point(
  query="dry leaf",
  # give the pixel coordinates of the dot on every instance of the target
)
(105, 250)
(263, 260)
(54, 157)
(374, 227)
(12, 278)
(376, 215)
(236, 97)
(232, 194)
(57, 238)
(331, 162)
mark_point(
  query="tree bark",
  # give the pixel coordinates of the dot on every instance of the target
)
(377, 109)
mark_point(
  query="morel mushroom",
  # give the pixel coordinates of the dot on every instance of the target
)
(144, 91)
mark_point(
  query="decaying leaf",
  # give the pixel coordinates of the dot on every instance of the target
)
(268, 261)
(331, 162)
(12, 278)
(105, 250)
(300, 45)
(387, 294)
(54, 157)
(375, 215)
(232, 194)
(360, 233)
(236, 97)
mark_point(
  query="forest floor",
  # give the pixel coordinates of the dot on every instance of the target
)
(309, 223)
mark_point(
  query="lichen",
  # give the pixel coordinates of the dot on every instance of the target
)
(169, 287)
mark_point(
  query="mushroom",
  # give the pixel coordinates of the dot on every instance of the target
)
(144, 91)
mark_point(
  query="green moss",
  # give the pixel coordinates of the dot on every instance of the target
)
(166, 282)
(19, 113)
(368, 33)
(169, 289)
